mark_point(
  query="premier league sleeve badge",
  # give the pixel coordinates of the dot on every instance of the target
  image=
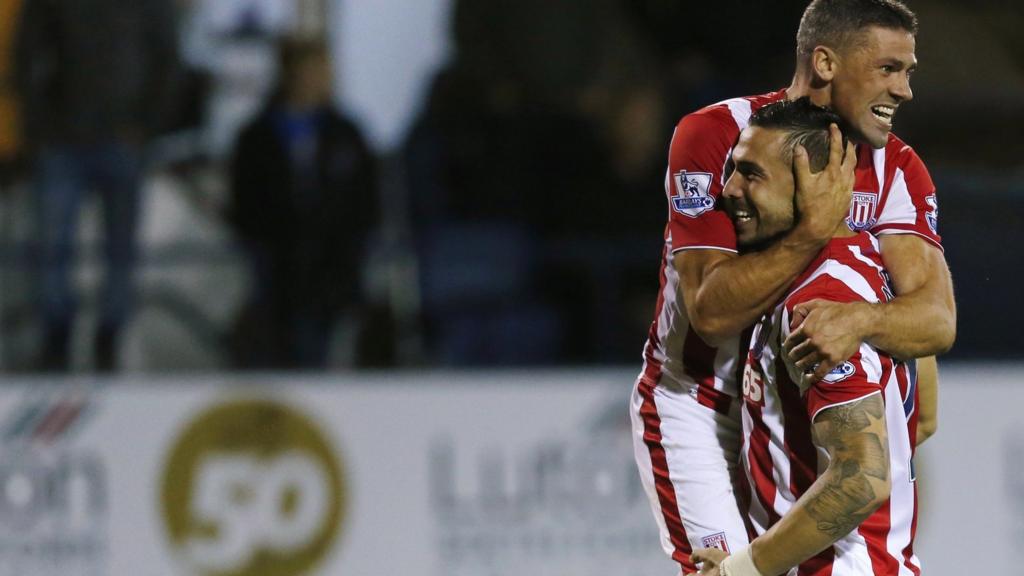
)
(692, 193)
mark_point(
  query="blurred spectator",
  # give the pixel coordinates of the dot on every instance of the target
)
(542, 144)
(230, 46)
(303, 200)
(96, 79)
(10, 128)
(487, 176)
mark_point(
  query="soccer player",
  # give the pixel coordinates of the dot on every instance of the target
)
(856, 57)
(820, 459)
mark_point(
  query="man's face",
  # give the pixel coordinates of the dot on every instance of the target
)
(759, 193)
(310, 80)
(872, 80)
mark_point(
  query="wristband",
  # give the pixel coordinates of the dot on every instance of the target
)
(740, 564)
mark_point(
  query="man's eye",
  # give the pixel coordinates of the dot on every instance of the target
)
(888, 69)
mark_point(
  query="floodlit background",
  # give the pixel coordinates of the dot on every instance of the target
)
(475, 251)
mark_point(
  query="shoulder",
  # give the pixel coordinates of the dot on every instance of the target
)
(729, 116)
(259, 127)
(702, 140)
(340, 118)
(901, 154)
(710, 132)
(846, 270)
(907, 165)
(341, 127)
(713, 120)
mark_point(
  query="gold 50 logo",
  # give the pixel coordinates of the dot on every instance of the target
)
(250, 488)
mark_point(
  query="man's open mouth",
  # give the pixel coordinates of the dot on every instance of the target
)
(884, 113)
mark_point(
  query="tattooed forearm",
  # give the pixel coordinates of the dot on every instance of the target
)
(875, 456)
(858, 449)
(839, 507)
(855, 483)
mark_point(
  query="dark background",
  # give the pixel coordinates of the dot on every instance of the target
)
(523, 211)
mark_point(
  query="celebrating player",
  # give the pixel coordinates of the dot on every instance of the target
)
(856, 57)
(835, 515)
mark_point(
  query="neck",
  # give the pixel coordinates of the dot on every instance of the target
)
(302, 100)
(803, 84)
(843, 231)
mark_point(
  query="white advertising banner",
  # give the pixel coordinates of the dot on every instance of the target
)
(437, 474)
(447, 475)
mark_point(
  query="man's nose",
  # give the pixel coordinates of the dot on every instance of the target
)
(732, 188)
(901, 88)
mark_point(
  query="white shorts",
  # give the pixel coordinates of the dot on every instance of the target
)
(688, 457)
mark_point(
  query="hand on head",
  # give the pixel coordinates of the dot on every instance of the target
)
(823, 198)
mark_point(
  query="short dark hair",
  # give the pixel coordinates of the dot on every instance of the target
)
(835, 23)
(807, 124)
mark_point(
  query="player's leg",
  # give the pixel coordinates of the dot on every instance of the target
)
(687, 456)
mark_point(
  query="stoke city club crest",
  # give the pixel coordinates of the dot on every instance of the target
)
(862, 211)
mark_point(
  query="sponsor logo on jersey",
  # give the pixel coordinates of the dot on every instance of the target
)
(862, 211)
(840, 373)
(932, 216)
(716, 541)
(693, 193)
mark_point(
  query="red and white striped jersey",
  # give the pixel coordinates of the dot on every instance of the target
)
(893, 194)
(780, 458)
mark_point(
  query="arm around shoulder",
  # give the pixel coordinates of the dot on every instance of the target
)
(921, 320)
(725, 293)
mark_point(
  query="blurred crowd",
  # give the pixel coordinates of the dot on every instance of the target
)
(521, 217)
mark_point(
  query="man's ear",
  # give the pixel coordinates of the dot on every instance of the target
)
(824, 62)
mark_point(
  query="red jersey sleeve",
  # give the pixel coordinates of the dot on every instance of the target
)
(859, 376)
(850, 381)
(911, 206)
(697, 155)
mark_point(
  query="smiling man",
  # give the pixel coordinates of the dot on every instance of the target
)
(855, 57)
(826, 464)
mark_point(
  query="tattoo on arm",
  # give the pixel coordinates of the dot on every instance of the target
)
(854, 436)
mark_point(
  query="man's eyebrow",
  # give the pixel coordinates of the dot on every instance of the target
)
(748, 167)
(898, 64)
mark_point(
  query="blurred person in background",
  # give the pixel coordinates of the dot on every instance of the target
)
(10, 149)
(481, 163)
(95, 77)
(303, 201)
(10, 128)
(529, 167)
